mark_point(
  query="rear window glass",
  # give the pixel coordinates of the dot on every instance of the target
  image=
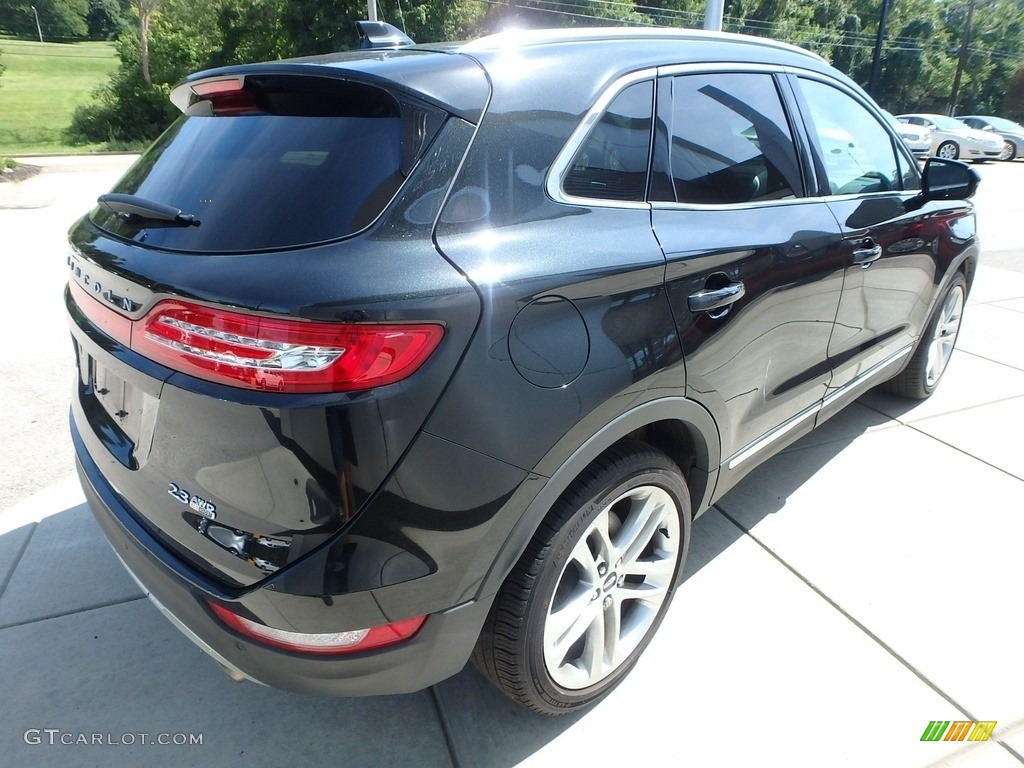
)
(281, 163)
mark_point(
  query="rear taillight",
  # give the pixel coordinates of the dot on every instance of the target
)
(271, 354)
(350, 641)
(226, 97)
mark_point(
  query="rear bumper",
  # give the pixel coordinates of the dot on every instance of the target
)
(439, 650)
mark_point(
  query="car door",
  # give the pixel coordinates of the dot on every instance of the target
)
(889, 244)
(754, 268)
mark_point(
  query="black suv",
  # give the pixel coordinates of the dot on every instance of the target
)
(395, 357)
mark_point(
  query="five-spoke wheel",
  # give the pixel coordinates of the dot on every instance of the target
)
(612, 587)
(935, 347)
(588, 594)
(944, 333)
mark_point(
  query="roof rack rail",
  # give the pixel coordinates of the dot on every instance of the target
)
(380, 34)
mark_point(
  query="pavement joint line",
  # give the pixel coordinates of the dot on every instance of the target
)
(846, 614)
(958, 449)
(62, 614)
(1011, 730)
(17, 560)
(849, 617)
(442, 716)
(988, 359)
(1010, 749)
(899, 420)
(996, 303)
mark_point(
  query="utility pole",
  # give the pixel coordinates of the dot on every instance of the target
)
(876, 61)
(961, 60)
(39, 29)
(371, 10)
(713, 15)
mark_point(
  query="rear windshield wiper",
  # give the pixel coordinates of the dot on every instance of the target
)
(146, 209)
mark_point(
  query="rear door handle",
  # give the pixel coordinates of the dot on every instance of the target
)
(868, 253)
(717, 298)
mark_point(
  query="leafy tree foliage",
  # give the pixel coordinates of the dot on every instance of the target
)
(1013, 102)
(106, 19)
(58, 19)
(126, 108)
(917, 64)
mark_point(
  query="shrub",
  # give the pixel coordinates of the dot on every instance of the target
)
(126, 109)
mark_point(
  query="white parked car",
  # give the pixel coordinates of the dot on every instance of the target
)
(953, 140)
(918, 138)
(1011, 132)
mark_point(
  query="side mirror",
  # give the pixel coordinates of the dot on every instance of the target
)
(948, 180)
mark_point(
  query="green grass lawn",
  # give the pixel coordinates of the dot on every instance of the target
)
(43, 84)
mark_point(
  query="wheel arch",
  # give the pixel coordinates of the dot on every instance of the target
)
(680, 428)
(944, 142)
(969, 266)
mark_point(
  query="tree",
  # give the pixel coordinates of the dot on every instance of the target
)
(431, 21)
(995, 52)
(1013, 101)
(58, 19)
(106, 19)
(144, 11)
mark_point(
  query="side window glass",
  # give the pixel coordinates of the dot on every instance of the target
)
(857, 152)
(612, 163)
(910, 172)
(728, 140)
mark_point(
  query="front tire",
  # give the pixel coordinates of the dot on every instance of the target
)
(948, 150)
(592, 587)
(931, 356)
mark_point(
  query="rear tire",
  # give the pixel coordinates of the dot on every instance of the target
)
(1009, 151)
(931, 356)
(592, 587)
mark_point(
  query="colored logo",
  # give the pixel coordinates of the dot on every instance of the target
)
(959, 730)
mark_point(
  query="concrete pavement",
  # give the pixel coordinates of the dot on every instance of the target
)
(857, 586)
(34, 220)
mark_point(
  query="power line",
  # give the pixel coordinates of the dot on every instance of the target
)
(841, 38)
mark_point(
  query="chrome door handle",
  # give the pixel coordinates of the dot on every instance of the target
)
(717, 298)
(867, 255)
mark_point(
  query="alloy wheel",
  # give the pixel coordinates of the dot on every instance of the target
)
(612, 587)
(944, 336)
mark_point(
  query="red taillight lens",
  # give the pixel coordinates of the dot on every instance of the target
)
(351, 641)
(227, 97)
(267, 353)
(217, 87)
(281, 355)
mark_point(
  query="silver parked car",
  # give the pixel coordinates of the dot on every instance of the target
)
(953, 140)
(918, 138)
(1012, 133)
